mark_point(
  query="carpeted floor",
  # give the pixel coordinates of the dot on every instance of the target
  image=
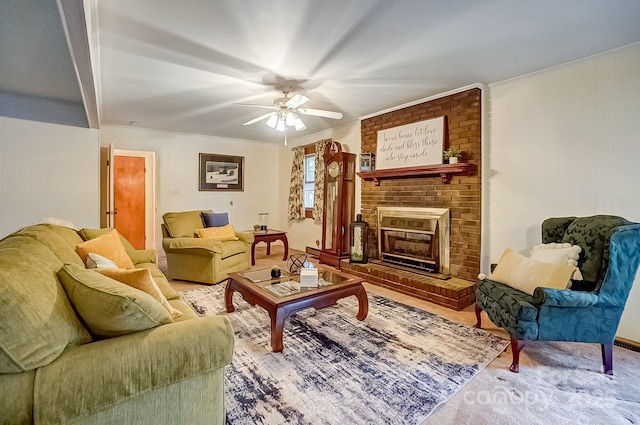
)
(395, 367)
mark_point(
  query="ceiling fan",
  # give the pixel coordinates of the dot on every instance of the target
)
(285, 112)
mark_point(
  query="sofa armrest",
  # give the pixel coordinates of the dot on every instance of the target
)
(549, 297)
(140, 256)
(89, 378)
(196, 246)
(245, 237)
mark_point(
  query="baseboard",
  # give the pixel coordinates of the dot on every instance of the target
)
(314, 252)
(627, 343)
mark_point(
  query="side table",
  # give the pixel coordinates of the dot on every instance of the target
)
(268, 236)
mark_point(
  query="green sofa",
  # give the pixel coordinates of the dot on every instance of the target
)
(53, 371)
(201, 260)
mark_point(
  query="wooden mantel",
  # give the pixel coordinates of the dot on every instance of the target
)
(445, 171)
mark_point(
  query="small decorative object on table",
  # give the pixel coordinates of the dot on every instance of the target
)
(367, 161)
(297, 262)
(452, 155)
(308, 278)
(263, 219)
(358, 230)
(275, 272)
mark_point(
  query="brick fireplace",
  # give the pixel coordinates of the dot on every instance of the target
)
(461, 195)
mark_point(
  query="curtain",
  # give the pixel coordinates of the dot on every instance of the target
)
(296, 188)
(318, 187)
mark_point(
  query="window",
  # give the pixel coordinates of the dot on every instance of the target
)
(309, 179)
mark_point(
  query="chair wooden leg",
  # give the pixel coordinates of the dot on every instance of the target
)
(607, 358)
(478, 316)
(516, 346)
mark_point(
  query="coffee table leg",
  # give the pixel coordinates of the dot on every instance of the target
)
(363, 303)
(228, 296)
(277, 324)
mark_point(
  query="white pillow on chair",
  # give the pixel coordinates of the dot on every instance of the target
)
(558, 253)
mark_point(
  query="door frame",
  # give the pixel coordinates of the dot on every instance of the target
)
(149, 190)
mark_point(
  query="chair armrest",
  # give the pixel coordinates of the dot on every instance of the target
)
(549, 297)
(143, 256)
(198, 246)
(108, 372)
(245, 237)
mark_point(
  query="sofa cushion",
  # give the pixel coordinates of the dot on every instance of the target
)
(215, 219)
(97, 261)
(110, 308)
(183, 224)
(56, 244)
(140, 279)
(231, 248)
(136, 255)
(160, 279)
(37, 322)
(107, 245)
(70, 235)
(222, 233)
(526, 275)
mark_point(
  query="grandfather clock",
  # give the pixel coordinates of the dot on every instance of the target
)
(339, 203)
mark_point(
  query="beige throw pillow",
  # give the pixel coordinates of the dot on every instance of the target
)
(109, 246)
(222, 233)
(140, 279)
(110, 308)
(526, 275)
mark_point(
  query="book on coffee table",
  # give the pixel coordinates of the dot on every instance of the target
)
(283, 289)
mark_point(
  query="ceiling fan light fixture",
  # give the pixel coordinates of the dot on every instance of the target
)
(298, 123)
(272, 121)
(290, 118)
(281, 126)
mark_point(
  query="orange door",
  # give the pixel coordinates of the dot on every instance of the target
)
(129, 198)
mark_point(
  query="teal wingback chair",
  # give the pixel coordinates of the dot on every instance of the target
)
(608, 262)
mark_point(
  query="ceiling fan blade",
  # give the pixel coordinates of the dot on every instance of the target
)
(320, 113)
(260, 118)
(257, 106)
(296, 101)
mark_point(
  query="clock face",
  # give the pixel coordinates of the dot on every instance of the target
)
(334, 169)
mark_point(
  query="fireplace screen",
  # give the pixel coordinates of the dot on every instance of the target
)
(415, 237)
(415, 248)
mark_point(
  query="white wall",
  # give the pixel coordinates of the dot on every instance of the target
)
(47, 170)
(564, 141)
(177, 174)
(303, 233)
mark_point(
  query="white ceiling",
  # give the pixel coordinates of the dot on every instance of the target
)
(182, 65)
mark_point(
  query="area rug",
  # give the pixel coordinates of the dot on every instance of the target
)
(395, 367)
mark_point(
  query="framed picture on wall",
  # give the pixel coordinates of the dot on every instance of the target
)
(221, 172)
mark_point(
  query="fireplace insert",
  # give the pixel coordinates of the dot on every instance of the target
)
(415, 237)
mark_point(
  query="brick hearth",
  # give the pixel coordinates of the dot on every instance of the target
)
(452, 293)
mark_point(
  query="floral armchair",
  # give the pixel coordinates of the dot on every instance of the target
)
(608, 262)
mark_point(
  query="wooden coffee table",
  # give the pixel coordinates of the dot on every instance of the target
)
(277, 297)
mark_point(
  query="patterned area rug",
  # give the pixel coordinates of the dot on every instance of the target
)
(395, 367)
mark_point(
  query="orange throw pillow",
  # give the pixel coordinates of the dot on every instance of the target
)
(107, 245)
(140, 279)
(222, 233)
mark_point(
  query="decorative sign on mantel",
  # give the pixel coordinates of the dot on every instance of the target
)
(410, 145)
